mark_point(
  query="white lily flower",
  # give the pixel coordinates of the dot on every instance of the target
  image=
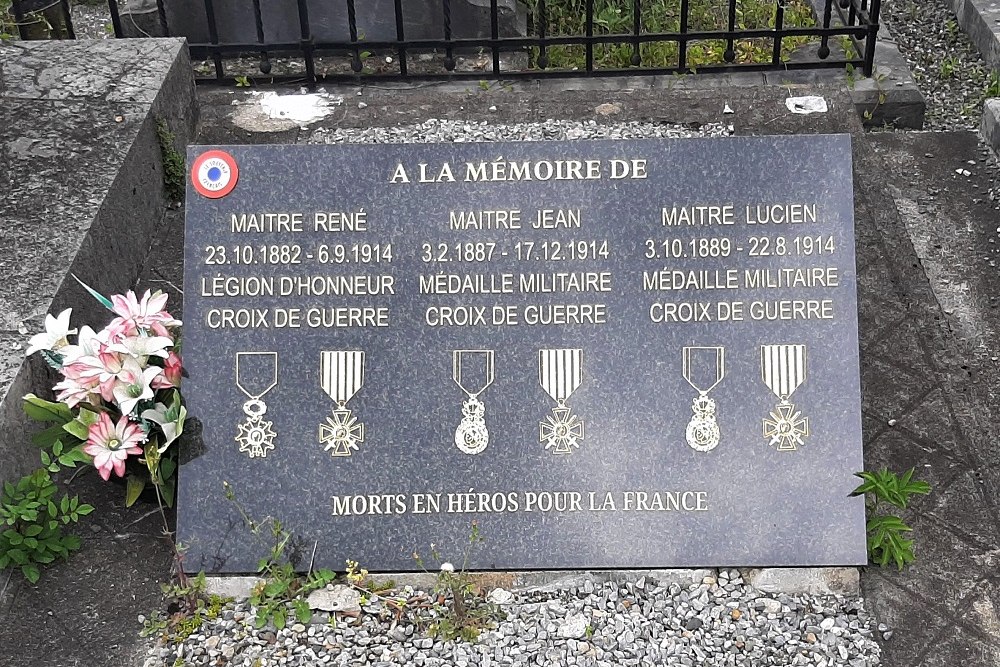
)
(54, 337)
(143, 346)
(172, 428)
(87, 345)
(132, 385)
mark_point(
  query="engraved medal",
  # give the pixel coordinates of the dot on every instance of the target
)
(560, 372)
(783, 369)
(703, 366)
(256, 374)
(341, 375)
(472, 436)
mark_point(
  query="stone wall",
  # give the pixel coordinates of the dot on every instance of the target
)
(81, 191)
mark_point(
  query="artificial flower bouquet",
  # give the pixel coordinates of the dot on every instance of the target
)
(118, 404)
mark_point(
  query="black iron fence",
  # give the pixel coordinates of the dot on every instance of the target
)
(344, 40)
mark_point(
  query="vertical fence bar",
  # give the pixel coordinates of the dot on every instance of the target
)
(824, 42)
(873, 16)
(590, 35)
(116, 17)
(636, 30)
(213, 35)
(19, 18)
(730, 53)
(779, 26)
(682, 45)
(449, 54)
(162, 12)
(352, 26)
(495, 35)
(68, 15)
(265, 62)
(400, 37)
(306, 41)
(543, 58)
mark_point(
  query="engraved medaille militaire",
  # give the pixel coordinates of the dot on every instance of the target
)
(702, 431)
(472, 436)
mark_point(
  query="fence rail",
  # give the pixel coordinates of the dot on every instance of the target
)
(527, 46)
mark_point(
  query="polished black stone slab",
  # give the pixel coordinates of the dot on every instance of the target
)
(618, 277)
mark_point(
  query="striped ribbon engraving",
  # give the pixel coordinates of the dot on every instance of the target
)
(560, 372)
(342, 373)
(783, 368)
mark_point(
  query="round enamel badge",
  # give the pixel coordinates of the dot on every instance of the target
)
(214, 174)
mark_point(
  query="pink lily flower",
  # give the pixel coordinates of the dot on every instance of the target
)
(143, 312)
(104, 368)
(110, 444)
(72, 393)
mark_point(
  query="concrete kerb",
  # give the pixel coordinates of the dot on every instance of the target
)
(990, 128)
(768, 581)
(85, 190)
(980, 19)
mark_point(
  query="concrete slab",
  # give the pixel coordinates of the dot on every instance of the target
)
(920, 371)
(81, 189)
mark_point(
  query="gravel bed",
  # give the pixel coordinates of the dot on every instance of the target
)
(720, 621)
(464, 131)
(945, 64)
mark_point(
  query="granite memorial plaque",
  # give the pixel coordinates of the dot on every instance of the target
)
(609, 354)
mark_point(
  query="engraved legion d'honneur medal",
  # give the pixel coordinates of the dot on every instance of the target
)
(472, 436)
(255, 435)
(560, 373)
(703, 366)
(783, 369)
(341, 375)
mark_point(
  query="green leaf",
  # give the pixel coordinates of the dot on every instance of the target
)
(260, 621)
(57, 448)
(18, 556)
(30, 572)
(41, 410)
(302, 611)
(64, 504)
(46, 459)
(77, 429)
(88, 417)
(15, 538)
(167, 491)
(71, 542)
(133, 487)
(84, 509)
(275, 588)
(279, 619)
(33, 530)
(49, 437)
(104, 301)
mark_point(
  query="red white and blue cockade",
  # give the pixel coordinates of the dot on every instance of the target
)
(214, 174)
